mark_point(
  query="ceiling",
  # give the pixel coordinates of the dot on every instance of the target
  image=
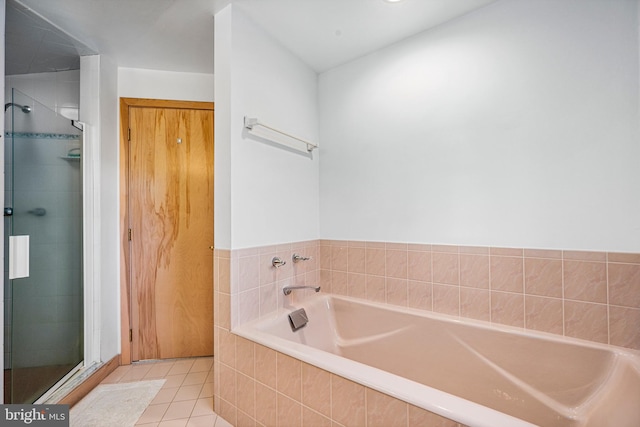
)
(177, 35)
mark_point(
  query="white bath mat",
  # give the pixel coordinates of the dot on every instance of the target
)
(110, 405)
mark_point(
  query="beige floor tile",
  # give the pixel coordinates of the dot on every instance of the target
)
(188, 392)
(165, 395)
(202, 365)
(174, 423)
(153, 413)
(174, 380)
(195, 378)
(203, 407)
(136, 373)
(207, 390)
(221, 422)
(178, 410)
(159, 370)
(117, 374)
(206, 421)
(181, 367)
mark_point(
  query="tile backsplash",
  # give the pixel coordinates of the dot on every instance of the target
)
(588, 295)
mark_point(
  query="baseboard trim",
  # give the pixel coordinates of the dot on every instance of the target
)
(89, 383)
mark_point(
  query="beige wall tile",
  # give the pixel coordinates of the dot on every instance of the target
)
(348, 402)
(385, 411)
(515, 252)
(543, 314)
(585, 281)
(316, 389)
(224, 310)
(445, 268)
(419, 295)
(542, 253)
(507, 274)
(245, 358)
(474, 271)
(376, 290)
(340, 257)
(289, 412)
(507, 309)
(311, 418)
(631, 258)
(396, 264)
(624, 284)
(357, 285)
(396, 291)
(624, 327)
(475, 303)
(375, 261)
(244, 420)
(227, 351)
(289, 376)
(584, 256)
(265, 405)
(249, 272)
(356, 260)
(418, 417)
(543, 277)
(586, 320)
(265, 370)
(419, 266)
(228, 384)
(246, 394)
(325, 257)
(446, 299)
(339, 282)
(224, 275)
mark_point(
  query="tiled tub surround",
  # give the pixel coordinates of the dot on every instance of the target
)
(258, 285)
(589, 295)
(258, 386)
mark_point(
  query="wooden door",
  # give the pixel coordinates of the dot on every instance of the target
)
(170, 201)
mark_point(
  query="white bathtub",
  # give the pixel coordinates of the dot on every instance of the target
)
(471, 372)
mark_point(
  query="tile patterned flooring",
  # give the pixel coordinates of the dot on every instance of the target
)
(186, 398)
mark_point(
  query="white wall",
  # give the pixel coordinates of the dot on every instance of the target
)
(109, 211)
(516, 125)
(60, 91)
(157, 84)
(222, 130)
(274, 191)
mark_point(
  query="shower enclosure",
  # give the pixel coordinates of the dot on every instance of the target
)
(43, 200)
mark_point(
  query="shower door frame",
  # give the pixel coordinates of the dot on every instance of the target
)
(30, 135)
(91, 120)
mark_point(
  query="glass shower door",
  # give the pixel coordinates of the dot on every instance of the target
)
(43, 200)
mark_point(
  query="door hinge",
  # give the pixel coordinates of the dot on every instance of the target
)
(130, 234)
(130, 335)
(129, 134)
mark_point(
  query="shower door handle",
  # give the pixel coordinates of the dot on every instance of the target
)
(18, 257)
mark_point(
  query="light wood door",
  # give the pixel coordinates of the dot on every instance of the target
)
(171, 222)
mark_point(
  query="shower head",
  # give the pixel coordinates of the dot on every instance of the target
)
(25, 108)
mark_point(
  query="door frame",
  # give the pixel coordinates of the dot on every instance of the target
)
(125, 264)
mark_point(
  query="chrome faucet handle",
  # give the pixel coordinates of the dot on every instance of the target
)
(297, 258)
(278, 262)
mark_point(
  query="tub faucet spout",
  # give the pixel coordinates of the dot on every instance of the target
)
(287, 289)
